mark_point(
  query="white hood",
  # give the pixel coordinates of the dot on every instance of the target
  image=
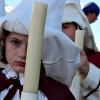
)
(60, 55)
(74, 13)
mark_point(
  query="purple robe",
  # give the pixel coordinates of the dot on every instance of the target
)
(52, 89)
(94, 58)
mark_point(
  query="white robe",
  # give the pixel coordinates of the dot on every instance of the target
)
(9, 73)
(90, 83)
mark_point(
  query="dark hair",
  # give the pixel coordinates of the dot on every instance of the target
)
(75, 24)
(5, 34)
(91, 12)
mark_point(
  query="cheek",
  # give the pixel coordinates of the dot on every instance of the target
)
(10, 53)
(70, 34)
(93, 17)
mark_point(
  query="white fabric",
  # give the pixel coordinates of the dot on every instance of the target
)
(10, 73)
(90, 83)
(2, 8)
(60, 55)
(60, 58)
(19, 18)
(74, 13)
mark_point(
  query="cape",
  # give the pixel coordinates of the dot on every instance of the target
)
(52, 89)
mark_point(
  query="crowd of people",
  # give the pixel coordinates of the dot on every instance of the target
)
(61, 57)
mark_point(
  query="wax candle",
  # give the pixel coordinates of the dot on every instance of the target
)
(79, 38)
(34, 51)
(76, 83)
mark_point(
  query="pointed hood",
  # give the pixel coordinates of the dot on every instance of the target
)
(73, 13)
(60, 55)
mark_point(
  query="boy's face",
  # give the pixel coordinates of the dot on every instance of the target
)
(16, 48)
(69, 29)
(92, 17)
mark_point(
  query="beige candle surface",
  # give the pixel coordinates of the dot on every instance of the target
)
(76, 83)
(33, 60)
(79, 38)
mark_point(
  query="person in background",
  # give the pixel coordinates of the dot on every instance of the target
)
(74, 19)
(92, 11)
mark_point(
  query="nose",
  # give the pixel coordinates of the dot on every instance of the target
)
(23, 51)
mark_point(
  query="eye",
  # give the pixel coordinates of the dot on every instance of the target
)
(15, 42)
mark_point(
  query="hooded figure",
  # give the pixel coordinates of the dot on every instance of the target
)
(73, 14)
(60, 56)
(77, 15)
(92, 11)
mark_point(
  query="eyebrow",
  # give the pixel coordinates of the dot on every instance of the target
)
(15, 38)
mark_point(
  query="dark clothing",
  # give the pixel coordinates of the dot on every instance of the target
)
(52, 89)
(94, 58)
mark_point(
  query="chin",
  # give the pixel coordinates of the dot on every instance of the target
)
(20, 70)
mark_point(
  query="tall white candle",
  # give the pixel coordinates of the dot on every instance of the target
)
(79, 38)
(76, 83)
(34, 51)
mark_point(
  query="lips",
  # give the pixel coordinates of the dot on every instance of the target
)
(20, 63)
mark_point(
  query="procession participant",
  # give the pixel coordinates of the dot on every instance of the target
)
(61, 58)
(89, 44)
(74, 19)
(92, 11)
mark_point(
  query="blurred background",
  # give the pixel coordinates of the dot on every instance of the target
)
(94, 26)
